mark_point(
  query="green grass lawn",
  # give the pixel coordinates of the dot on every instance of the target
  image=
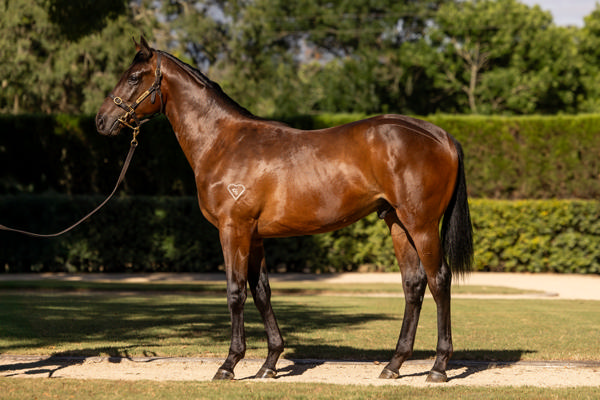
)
(183, 321)
(326, 327)
(144, 390)
(220, 287)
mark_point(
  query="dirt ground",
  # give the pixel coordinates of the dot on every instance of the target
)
(545, 374)
(413, 373)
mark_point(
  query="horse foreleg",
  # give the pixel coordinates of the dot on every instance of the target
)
(414, 282)
(236, 249)
(261, 291)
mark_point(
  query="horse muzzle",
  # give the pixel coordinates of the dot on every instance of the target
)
(108, 125)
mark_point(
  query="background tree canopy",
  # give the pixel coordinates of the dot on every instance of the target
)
(278, 57)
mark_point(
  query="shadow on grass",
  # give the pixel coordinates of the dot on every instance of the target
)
(95, 325)
(120, 326)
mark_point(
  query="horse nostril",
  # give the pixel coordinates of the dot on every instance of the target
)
(99, 122)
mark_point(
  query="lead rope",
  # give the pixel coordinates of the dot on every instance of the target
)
(134, 144)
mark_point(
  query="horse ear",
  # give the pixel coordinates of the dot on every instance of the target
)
(143, 42)
(143, 48)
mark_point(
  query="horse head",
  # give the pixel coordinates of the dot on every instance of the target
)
(134, 97)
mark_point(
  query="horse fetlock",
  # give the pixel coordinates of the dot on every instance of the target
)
(276, 348)
(444, 352)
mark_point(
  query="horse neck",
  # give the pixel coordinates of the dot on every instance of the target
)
(197, 113)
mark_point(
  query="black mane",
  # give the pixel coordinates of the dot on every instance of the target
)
(204, 80)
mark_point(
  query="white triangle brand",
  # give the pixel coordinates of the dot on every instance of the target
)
(236, 190)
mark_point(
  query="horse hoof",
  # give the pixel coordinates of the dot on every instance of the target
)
(266, 373)
(223, 375)
(388, 374)
(437, 377)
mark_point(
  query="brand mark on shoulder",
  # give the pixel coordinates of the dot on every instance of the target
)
(236, 190)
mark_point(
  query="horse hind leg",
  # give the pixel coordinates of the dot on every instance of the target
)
(439, 279)
(414, 282)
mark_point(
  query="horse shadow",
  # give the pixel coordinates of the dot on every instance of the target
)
(43, 367)
(469, 361)
(50, 365)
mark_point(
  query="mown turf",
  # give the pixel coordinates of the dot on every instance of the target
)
(220, 287)
(325, 327)
(133, 390)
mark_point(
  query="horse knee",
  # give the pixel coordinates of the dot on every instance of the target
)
(236, 297)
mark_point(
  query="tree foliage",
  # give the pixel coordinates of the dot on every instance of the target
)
(280, 57)
(502, 56)
(55, 59)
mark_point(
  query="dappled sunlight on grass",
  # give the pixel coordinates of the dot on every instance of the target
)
(324, 327)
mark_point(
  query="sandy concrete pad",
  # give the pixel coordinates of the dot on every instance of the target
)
(413, 373)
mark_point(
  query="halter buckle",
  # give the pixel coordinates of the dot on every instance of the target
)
(136, 132)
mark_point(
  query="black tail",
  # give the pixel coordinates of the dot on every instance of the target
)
(457, 231)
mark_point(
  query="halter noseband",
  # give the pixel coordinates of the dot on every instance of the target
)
(130, 109)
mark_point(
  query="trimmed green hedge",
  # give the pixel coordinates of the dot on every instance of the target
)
(530, 157)
(505, 157)
(537, 235)
(64, 154)
(169, 234)
(130, 234)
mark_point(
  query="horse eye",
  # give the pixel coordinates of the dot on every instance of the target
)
(133, 79)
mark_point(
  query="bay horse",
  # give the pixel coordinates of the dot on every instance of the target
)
(259, 179)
